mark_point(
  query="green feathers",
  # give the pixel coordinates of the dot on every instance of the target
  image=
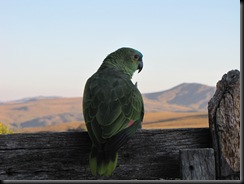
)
(112, 108)
(101, 162)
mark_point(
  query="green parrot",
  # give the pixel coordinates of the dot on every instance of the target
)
(112, 107)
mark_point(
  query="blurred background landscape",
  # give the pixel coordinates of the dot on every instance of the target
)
(48, 50)
(183, 106)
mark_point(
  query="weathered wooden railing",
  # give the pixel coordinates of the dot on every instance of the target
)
(150, 154)
(199, 154)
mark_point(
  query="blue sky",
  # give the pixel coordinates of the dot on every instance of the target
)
(51, 47)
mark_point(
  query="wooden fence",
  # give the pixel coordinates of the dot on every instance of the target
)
(149, 155)
(170, 154)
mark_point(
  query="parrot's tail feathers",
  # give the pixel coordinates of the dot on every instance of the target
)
(93, 165)
(101, 162)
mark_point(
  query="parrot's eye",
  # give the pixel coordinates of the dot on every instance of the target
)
(136, 57)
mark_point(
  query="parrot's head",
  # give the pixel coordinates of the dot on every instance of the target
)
(126, 59)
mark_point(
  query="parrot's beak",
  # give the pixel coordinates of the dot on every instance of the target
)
(140, 66)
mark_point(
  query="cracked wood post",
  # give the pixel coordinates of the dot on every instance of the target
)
(197, 164)
(224, 123)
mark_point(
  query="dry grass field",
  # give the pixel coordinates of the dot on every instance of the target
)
(61, 127)
(152, 120)
(21, 112)
(157, 120)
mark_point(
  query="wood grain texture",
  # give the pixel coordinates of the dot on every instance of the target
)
(149, 155)
(197, 164)
(224, 123)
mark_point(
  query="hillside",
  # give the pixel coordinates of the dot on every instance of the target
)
(180, 104)
(42, 112)
(184, 97)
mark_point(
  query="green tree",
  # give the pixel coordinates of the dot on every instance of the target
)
(4, 129)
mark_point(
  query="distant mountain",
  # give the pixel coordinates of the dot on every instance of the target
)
(29, 99)
(44, 111)
(184, 97)
(40, 112)
(50, 120)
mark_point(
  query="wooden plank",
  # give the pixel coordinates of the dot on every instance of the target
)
(197, 164)
(149, 155)
(224, 123)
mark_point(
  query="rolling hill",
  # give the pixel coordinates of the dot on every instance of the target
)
(184, 97)
(184, 103)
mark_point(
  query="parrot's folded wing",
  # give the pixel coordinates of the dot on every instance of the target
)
(118, 112)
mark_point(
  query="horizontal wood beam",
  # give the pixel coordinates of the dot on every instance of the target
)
(149, 155)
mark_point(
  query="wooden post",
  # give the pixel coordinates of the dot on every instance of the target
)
(197, 164)
(224, 123)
